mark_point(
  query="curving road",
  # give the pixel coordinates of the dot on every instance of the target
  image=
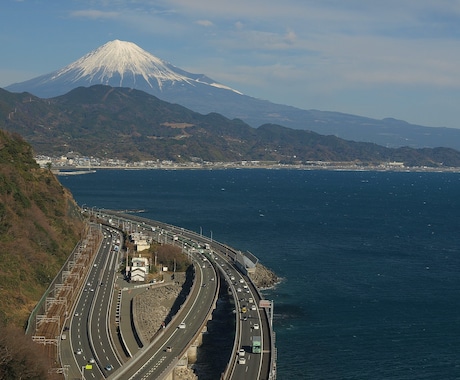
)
(90, 351)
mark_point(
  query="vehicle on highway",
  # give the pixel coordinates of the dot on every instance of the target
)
(256, 345)
(256, 326)
(182, 325)
(108, 367)
(242, 360)
(244, 309)
(79, 351)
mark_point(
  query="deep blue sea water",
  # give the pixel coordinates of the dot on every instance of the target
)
(370, 261)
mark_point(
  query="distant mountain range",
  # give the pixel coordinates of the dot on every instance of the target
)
(108, 122)
(124, 64)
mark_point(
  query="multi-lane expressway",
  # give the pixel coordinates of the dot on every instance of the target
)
(91, 352)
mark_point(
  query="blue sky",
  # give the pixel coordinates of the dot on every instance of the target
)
(392, 58)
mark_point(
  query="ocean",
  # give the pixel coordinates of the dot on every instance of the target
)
(369, 261)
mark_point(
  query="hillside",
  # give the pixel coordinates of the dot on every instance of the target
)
(39, 227)
(108, 122)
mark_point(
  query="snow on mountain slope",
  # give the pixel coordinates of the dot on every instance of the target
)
(121, 59)
(118, 64)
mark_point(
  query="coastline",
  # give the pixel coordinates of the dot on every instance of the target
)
(61, 169)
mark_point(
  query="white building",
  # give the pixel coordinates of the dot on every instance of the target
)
(139, 269)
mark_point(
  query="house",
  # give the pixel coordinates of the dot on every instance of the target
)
(139, 269)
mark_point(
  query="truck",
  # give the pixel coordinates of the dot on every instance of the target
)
(256, 345)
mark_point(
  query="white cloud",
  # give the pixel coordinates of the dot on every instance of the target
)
(205, 23)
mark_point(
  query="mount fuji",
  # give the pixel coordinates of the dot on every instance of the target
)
(117, 64)
(124, 64)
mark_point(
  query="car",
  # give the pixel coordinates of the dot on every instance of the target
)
(76, 314)
(241, 352)
(238, 290)
(108, 367)
(79, 351)
(250, 300)
(253, 307)
(168, 349)
(92, 361)
(245, 318)
(182, 325)
(256, 326)
(242, 360)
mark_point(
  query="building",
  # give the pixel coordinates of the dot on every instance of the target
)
(139, 269)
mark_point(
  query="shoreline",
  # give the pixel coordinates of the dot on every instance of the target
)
(77, 171)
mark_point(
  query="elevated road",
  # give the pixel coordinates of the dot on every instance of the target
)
(255, 323)
(92, 350)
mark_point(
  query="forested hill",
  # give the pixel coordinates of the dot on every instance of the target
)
(108, 122)
(39, 226)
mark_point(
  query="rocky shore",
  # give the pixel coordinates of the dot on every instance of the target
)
(263, 277)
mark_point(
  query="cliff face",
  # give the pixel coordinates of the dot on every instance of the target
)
(39, 226)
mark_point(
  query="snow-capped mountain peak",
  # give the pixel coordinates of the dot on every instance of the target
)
(123, 60)
(118, 64)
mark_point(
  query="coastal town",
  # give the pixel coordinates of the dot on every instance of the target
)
(73, 163)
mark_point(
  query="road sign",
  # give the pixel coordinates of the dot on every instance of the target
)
(265, 303)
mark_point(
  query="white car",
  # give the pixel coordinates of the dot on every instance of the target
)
(241, 352)
(242, 360)
(256, 326)
(182, 325)
(253, 307)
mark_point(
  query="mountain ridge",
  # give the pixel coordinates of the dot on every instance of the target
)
(116, 122)
(204, 95)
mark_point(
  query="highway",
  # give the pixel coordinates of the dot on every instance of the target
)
(157, 359)
(89, 339)
(90, 351)
(257, 324)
